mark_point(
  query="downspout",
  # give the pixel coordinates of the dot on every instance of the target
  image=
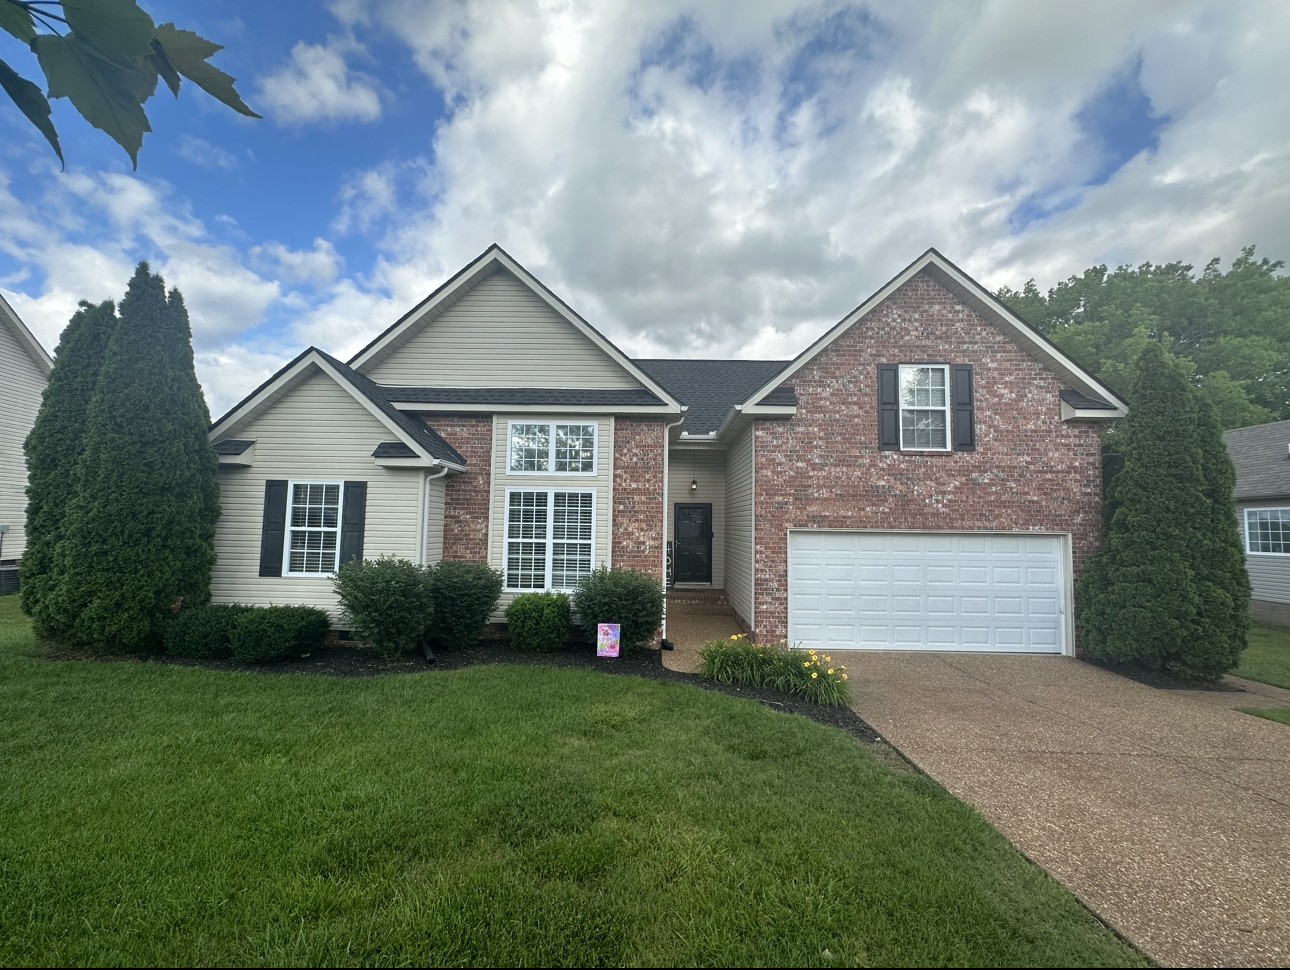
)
(666, 455)
(424, 512)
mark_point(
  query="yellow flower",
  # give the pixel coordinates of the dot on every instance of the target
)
(830, 671)
(844, 676)
(814, 674)
(806, 663)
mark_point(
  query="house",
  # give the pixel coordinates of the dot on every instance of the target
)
(24, 372)
(1261, 455)
(926, 475)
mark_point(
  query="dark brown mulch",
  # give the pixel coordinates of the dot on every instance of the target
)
(352, 661)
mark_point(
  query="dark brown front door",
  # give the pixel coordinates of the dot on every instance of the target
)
(693, 549)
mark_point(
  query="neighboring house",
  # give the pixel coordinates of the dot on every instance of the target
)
(1261, 455)
(24, 372)
(926, 475)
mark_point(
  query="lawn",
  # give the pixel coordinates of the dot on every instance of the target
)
(1266, 657)
(1278, 714)
(493, 816)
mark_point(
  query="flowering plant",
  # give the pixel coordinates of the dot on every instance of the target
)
(808, 674)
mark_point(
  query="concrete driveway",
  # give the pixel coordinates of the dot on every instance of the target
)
(1166, 812)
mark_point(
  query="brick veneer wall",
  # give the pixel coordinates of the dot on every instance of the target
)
(822, 468)
(465, 513)
(637, 540)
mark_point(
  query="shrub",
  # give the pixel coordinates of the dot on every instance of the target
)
(269, 633)
(464, 595)
(631, 599)
(204, 632)
(807, 674)
(386, 602)
(539, 621)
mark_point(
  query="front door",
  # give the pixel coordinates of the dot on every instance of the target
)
(693, 549)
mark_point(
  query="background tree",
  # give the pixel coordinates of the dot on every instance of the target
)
(139, 535)
(106, 57)
(1232, 329)
(1163, 592)
(54, 446)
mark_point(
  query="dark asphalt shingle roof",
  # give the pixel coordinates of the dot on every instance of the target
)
(571, 396)
(1261, 459)
(232, 446)
(1077, 400)
(710, 388)
(393, 449)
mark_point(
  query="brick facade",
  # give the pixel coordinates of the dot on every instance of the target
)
(637, 541)
(822, 468)
(465, 515)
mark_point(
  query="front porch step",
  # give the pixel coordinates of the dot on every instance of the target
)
(698, 597)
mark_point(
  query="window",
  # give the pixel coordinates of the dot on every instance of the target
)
(543, 447)
(1267, 531)
(924, 407)
(549, 538)
(313, 528)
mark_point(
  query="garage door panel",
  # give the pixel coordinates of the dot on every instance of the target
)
(927, 591)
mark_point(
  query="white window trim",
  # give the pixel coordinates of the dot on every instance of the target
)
(551, 423)
(948, 409)
(1285, 510)
(286, 538)
(550, 491)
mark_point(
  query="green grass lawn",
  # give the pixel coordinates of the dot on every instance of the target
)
(1266, 657)
(1279, 714)
(495, 816)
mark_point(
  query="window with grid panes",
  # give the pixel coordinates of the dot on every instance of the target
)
(545, 447)
(549, 538)
(313, 528)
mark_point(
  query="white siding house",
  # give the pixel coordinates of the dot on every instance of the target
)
(24, 372)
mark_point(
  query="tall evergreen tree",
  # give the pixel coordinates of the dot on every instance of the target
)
(54, 447)
(139, 536)
(1168, 590)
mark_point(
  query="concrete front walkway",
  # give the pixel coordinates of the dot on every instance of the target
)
(1167, 813)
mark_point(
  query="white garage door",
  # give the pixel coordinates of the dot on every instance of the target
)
(986, 592)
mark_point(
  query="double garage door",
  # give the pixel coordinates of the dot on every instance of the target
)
(946, 591)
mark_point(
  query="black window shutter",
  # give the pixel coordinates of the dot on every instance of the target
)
(888, 407)
(273, 528)
(353, 513)
(964, 408)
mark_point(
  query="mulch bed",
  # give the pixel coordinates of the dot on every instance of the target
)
(351, 661)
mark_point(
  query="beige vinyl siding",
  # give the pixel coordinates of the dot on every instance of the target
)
(500, 334)
(315, 432)
(434, 520)
(708, 468)
(504, 480)
(21, 385)
(739, 525)
(1269, 575)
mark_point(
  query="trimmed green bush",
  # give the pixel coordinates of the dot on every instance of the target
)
(803, 673)
(270, 633)
(623, 596)
(465, 594)
(204, 632)
(387, 602)
(539, 621)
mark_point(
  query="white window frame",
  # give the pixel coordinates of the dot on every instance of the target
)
(549, 541)
(901, 408)
(551, 425)
(286, 539)
(1285, 515)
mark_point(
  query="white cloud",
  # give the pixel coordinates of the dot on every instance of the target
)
(318, 266)
(317, 85)
(203, 154)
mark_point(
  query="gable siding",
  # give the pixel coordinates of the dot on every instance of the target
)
(434, 521)
(500, 334)
(823, 469)
(22, 383)
(316, 432)
(1269, 575)
(708, 468)
(739, 529)
(503, 480)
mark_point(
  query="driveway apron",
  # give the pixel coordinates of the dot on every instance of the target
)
(1166, 812)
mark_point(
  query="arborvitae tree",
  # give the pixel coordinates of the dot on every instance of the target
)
(1168, 588)
(1139, 600)
(54, 447)
(139, 533)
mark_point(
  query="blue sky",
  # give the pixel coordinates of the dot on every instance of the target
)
(717, 178)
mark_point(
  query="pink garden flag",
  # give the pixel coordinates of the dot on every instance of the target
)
(607, 638)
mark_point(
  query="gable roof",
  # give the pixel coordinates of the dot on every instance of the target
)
(711, 388)
(25, 338)
(1261, 455)
(421, 440)
(1103, 404)
(488, 262)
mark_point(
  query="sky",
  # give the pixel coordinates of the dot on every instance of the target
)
(697, 179)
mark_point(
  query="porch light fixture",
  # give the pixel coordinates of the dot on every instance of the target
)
(694, 480)
(694, 484)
